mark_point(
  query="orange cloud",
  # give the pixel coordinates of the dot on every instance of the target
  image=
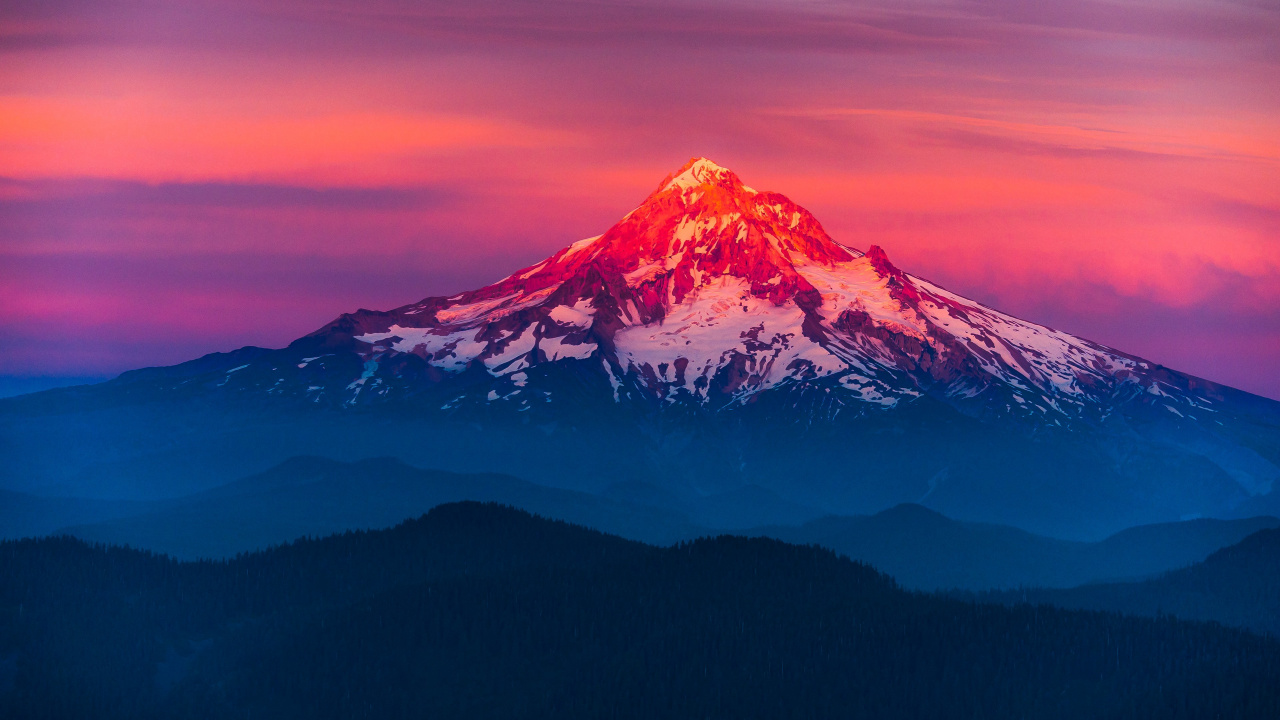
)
(151, 139)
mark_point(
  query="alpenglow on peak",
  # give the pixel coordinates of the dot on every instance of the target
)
(701, 171)
(710, 293)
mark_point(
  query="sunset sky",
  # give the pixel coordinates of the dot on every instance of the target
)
(181, 177)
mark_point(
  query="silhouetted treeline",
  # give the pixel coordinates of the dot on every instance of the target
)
(482, 611)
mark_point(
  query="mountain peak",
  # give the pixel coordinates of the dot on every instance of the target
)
(699, 172)
(714, 277)
(880, 261)
(703, 225)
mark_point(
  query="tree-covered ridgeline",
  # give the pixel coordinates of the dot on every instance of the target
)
(483, 611)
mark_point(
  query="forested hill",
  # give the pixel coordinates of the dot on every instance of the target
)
(483, 611)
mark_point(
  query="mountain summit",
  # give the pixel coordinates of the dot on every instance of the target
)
(711, 292)
(716, 341)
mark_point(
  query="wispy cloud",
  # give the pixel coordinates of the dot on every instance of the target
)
(1025, 137)
(812, 26)
(157, 138)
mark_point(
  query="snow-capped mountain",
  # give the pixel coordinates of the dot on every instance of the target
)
(714, 343)
(712, 292)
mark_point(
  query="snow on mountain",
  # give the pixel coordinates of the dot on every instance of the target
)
(711, 292)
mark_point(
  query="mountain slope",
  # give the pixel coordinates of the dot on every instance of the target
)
(23, 515)
(716, 338)
(1237, 585)
(924, 550)
(314, 497)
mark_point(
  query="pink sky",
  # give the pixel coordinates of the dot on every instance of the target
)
(183, 177)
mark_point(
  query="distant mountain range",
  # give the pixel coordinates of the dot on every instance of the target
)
(924, 550)
(314, 497)
(485, 612)
(714, 343)
(1237, 585)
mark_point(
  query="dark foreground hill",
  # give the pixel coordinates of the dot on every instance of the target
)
(1237, 585)
(482, 611)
